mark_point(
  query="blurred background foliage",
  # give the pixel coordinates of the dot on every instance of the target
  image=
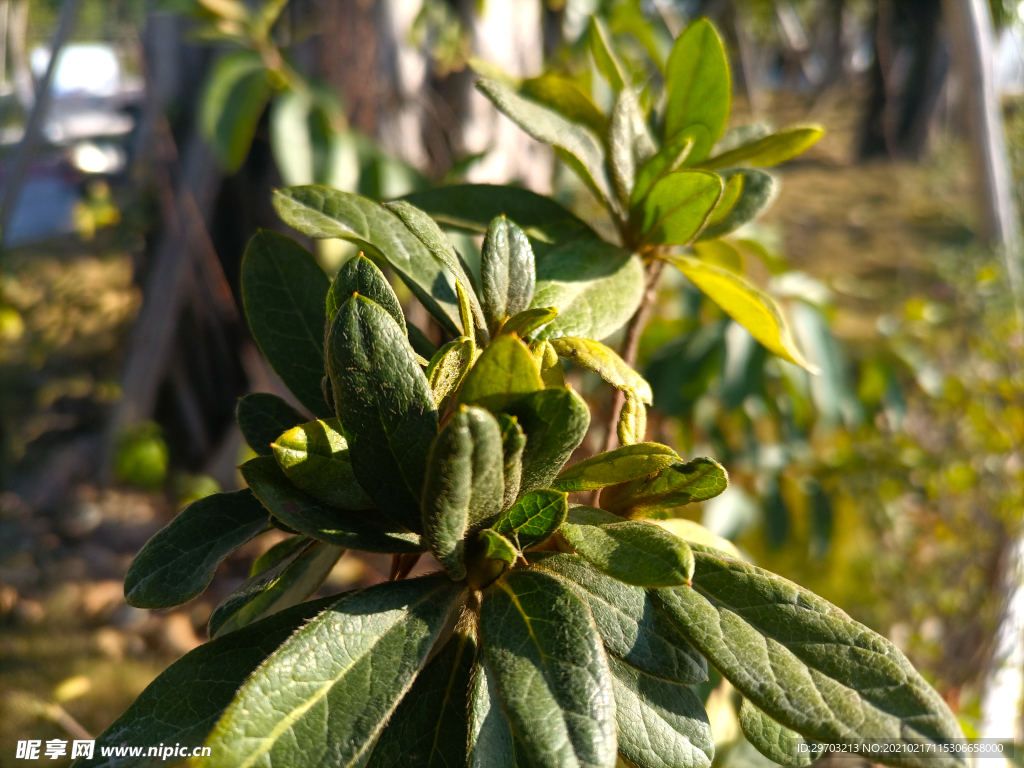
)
(891, 483)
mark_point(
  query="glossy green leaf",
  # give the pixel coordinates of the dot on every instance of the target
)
(262, 417)
(386, 405)
(555, 422)
(660, 724)
(671, 157)
(448, 367)
(632, 625)
(607, 61)
(362, 276)
(775, 741)
(564, 96)
(677, 207)
(503, 373)
(285, 294)
(169, 712)
(507, 271)
(430, 726)
(277, 552)
(534, 518)
(730, 195)
(550, 670)
(682, 483)
(596, 357)
(178, 562)
(513, 443)
(771, 150)
(626, 463)
(315, 457)
(530, 320)
(491, 741)
(472, 207)
(574, 143)
(595, 285)
(426, 230)
(754, 310)
(362, 530)
(759, 191)
(804, 662)
(324, 696)
(464, 485)
(632, 426)
(236, 93)
(494, 546)
(551, 371)
(632, 551)
(289, 581)
(698, 86)
(322, 212)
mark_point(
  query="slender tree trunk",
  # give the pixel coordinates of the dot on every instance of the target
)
(970, 27)
(18, 34)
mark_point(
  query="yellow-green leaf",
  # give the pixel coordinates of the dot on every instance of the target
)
(754, 310)
(448, 367)
(528, 321)
(608, 63)
(699, 87)
(596, 357)
(730, 195)
(632, 426)
(771, 150)
(563, 95)
(503, 373)
(720, 254)
(677, 208)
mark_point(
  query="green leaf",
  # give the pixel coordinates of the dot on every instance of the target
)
(464, 485)
(758, 192)
(626, 463)
(699, 87)
(507, 272)
(555, 422)
(629, 142)
(385, 404)
(322, 212)
(285, 294)
(290, 581)
(693, 532)
(669, 158)
(550, 670)
(448, 367)
(596, 357)
(595, 285)
(534, 518)
(324, 696)
(771, 150)
(804, 662)
(276, 553)
(564, 96)
(730, 195)
(472, 207)
(513, 443)
(262, 417)
(503, 373)
(551, 371)
(632, 426)
(428, 233)
(659, 723)
(775, 741)
(525, 323)
(491, 741)
(234, 98)
(682, 483)
(574, 143)
(608, 63)
(430, 726)
(677, 207)
(168, 711)
(178, 562)
(754, 310)
(315, 457)
(631, 623)
(351, 529)
(632, 551)
(497, 547)
(362, 276)
(720, 254)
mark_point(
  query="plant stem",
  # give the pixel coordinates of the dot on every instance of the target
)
(632, 343)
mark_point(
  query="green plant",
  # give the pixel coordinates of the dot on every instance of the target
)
(555, 634)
